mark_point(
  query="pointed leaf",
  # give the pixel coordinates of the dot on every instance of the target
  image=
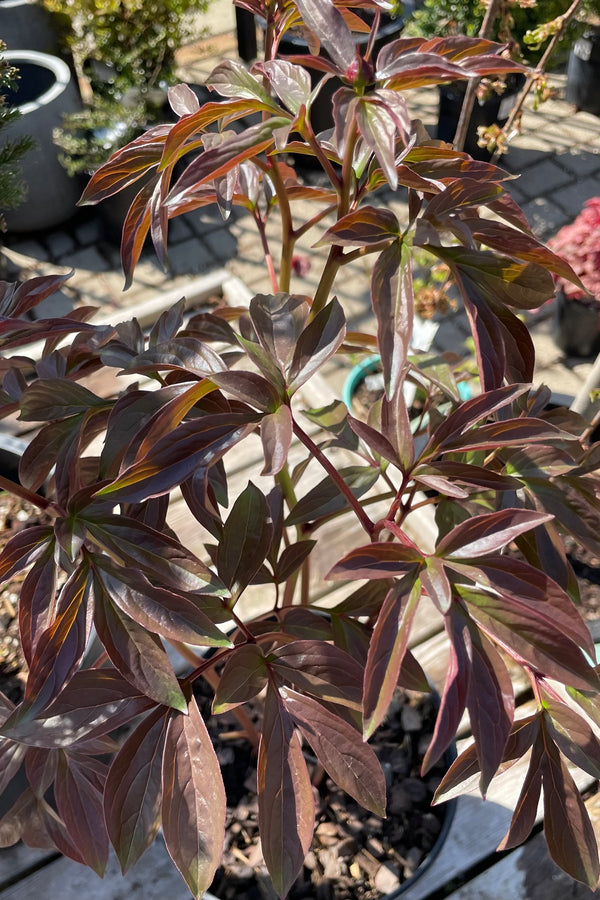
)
(132, 795)
(320, 669)
(246, 539)
(351, 764)
(276, 433)
(487, 533)
(79, 800)
(243, 677)
(286, 808)
(377, 560)
(193, 808)
(317, 343)
(326, 498)
(362, 227)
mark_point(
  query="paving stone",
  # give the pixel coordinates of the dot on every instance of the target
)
(542, 178)
(89, 232)
(31, 248)
(572, 198)
(55, 306)
(88, 259)
(190, 257)
(544, 216)
(580, 162)
(179, 231)
(221, 243)
(60, 243)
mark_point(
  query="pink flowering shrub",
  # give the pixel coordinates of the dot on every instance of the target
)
(579, 243)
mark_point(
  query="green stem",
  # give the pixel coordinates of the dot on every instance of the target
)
(330, 270)
(341, 485)
(267, 252)
(288, 238)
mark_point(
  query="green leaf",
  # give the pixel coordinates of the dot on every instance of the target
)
(351, 764)
(286, 808)
(133, 790)
(245, 541)
(194, 803)
(326, 498)
(232, 79)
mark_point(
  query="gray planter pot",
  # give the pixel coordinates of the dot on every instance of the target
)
(25, 25)
(45, 91)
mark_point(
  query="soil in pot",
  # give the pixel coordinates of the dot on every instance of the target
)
(355, 855)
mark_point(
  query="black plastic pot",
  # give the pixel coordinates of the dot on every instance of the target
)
(577, 326)
(583, 73)
(11, 451)
(494, 111)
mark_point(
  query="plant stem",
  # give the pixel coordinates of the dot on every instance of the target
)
(330, 270)
(469, 101)
(267, 253)
(540, 68)
(341, 485)
(288, 239)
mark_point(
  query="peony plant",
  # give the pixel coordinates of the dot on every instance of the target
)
(112, 746)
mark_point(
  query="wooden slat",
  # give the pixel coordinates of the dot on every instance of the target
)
(528, 873)
(153, 878)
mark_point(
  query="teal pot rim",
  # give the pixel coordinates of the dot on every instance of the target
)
(357, 375)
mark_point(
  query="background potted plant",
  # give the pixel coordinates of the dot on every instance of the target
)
(295, 670)
(523, 27)
(12, 187)
(578, 305)
(124, 55)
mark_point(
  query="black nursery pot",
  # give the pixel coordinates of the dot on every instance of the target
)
(577, 326)
(583, 73)
(495, 110)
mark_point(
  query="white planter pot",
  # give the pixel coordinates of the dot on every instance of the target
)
(45, 91)
(24, 24)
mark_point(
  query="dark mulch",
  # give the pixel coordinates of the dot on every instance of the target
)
(355, 855)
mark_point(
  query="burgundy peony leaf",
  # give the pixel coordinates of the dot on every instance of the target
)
(183, 100)
(290, 82)
(286, 808)
(362, 227)
(377, 560)
(526, 807)
(193, 806)
(317, 343)
(132, 794)
(174, 616)
(232, 79)
(321, 670)
(481, 535)
(491, 705)
(392, 297)
(328, 25)
(55, 398)
(473, 411)
(250, 387)
(136, 653)
(59, 649)
(350, 762)
(387, 650)
(291, 559)
(175, 456)
(278, 321)
(573, 736)
(78, 794)
(456, 688)
(21, 549)
(567, 827)
(276, 433)
(244, 676)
